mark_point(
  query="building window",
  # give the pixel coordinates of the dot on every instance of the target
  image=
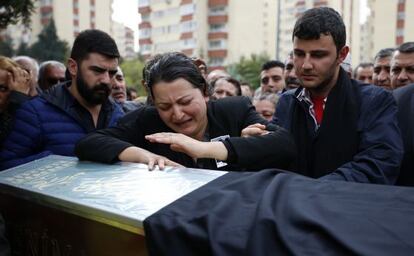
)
(145, 47)
(142, 3)
(188, 43)
(145, 18)
(187, 9)
(217, 44)
(216, 62)
(145, 33)
(400, 32)
(188, 26)
(218, 27)
(218, 10)
(45, 2)
(401, 15)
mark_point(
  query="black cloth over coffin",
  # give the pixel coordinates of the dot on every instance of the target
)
(277, 213)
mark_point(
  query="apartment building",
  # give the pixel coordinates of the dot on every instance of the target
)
(219, 31)
(289, 11)
(70, 16)
(222, 31)
(124, 38)
(388, 25)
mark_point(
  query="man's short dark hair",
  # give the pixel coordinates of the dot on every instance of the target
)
(93, 41)
(272, 64)
(384, 53)
(321, 21)
(362, 65)
(407, 47)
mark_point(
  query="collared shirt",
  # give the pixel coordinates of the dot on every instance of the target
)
(304, 96)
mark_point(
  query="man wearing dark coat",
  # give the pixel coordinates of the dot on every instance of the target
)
(344, 130)
(405, 100)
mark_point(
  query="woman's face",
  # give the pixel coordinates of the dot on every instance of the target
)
(182, 107)
(4, 90)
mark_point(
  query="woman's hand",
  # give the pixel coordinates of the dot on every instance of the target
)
(254, 129)
(19, 80)
(189, 146)
(139, 155)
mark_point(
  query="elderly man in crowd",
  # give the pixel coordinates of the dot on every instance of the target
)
(51, 73)
(382, 67)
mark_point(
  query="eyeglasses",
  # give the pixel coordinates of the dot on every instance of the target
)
(266, 79)
(53, 81)
(3, 88)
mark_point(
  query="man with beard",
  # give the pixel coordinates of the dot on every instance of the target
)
(291, 79)
(52, 123)
(344, 130)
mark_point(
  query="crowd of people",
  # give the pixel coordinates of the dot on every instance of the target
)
(312, 113)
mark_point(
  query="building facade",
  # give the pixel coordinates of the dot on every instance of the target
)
(219, 31)
(124, 38)
(289, 11)
(388, 25)
(71, 17)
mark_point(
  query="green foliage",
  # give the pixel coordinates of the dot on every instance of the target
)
(6, 47)
(248, 69)
(49, 46)
(133, 74)
(12, 11)
(23, 49)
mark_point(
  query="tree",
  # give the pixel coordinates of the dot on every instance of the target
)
(133, 74)
(248, 70)
(6, 47)
(23, 49)
(12, 11)
(49, 46)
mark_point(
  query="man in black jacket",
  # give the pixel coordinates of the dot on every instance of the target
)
(405, 100)
(344, 130)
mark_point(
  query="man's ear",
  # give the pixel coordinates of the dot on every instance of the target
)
(72, 67)
(342, 54)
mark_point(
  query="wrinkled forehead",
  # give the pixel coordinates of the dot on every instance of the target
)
(382, 61)
(402, 59)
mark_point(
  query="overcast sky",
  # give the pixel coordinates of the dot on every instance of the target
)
(126, 12)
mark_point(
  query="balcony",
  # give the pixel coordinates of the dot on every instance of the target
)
(217, 53)
(217, 35)
(188, 52)
(218, 19)
(186, 35)
(144, 10)
(186, 17)
(217, 2)
(145, 41)
(144, 24)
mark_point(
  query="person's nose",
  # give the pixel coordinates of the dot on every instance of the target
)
(383, 76)
(177, 113)
(307, 63)
(402, 76)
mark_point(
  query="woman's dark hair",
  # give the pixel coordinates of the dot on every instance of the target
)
(321, 21)
(172, 66)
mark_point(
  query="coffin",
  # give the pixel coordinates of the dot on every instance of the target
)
(60, 206)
